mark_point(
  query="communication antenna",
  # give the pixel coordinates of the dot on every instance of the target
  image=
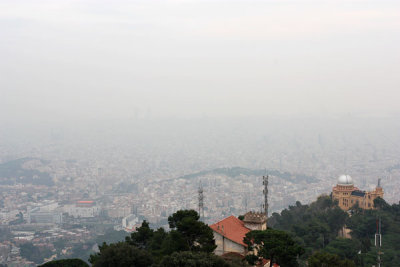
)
(378, 241)
(379, 182)
(265, 192)
(201, 202)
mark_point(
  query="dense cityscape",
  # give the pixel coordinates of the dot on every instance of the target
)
(63, 195)
(206, 133)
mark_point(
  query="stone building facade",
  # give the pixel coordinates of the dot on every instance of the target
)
(255, 220)
(348, 195)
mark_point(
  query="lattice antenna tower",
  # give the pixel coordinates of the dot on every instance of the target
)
(378, 241)
(265, 192)
(201, 202)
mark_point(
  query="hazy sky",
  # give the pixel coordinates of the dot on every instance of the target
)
(108, 59)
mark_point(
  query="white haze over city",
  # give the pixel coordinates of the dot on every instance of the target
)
(84, 60)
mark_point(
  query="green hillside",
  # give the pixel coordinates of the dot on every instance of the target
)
(315, 227)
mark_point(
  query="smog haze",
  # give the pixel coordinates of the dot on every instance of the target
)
(74, 60)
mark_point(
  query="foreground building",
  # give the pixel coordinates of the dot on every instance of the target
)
(230, 232)
(348, 195)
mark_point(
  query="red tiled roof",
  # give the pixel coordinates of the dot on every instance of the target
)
(264, 262)
(231, 228)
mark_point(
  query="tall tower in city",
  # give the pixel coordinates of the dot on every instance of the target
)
(265, 192)
(258, 220)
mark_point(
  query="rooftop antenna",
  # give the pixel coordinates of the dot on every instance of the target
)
(379, 182)
(201, 202)
(265, 192)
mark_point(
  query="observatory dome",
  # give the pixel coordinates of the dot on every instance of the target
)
(345, 180)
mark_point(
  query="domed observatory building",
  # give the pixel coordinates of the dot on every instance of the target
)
(348, 195)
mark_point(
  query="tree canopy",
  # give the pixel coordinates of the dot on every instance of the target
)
(195, 259)
(316, 227)
(189, 243)
(275, 245)
(121, 254)
(65, 263)
(325, 259)
(197, 235)
(34, 253)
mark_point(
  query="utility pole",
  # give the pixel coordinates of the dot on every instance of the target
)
(265, 192)
(201, 202)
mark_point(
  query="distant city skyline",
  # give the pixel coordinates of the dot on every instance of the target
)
(114, 112)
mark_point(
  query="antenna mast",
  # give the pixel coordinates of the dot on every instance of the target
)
(265, 192)
(201, 202)
(378, 241)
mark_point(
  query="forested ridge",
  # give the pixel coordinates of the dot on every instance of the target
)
(316, 226)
